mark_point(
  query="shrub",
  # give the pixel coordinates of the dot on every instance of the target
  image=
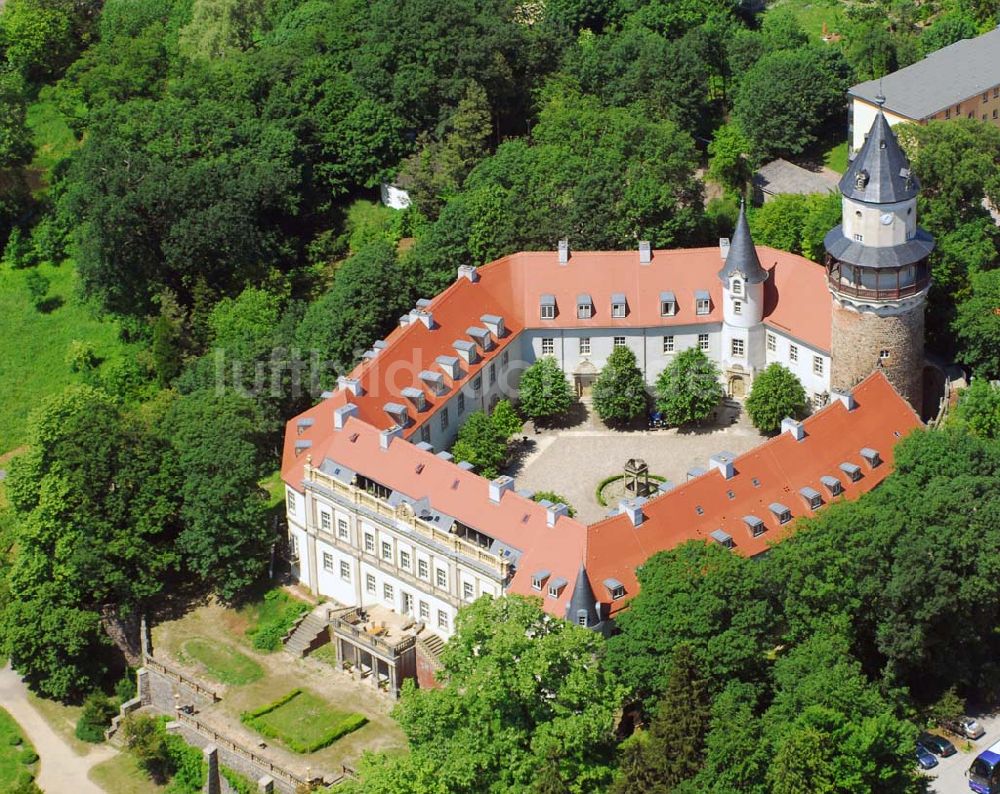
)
(38, 287)
(81, 356)
(29, 757)
(95, 717)
(14, 740)
(125, 689)
(555, 498)
(237, 782)
(276, 616)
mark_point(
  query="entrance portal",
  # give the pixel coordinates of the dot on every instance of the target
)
(737, 387)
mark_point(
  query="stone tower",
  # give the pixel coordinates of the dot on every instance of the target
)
(742, 280)
(877, 272)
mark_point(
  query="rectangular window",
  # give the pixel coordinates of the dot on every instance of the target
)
(618, 310)
(290, 501)
(883, 354)
(425, 610)
(703, 342)
(386, 550)
(947, 113)
(737, 288)
(772, 343)
(859, 238)
(293, 547)
(404, 559)
(668, 344)
(423, 570)
(369, 583)
(342, 532)
(461, 403)
(737, 307)
(619, 341)
(468, 591)
(442, 619)
(477, 384)
(994, 112)
(549, 312)
(548, 346)
(324, 521)
(668, 308)
(369, 543)
(493, 374)
(442, 577)
(504, 359)
(387, 591)
(793, 352)
(327, 561)
(818, 365)
(584, 345)
(702, 306)
(986, 96)
(584, 311)
(738, 348)
(425, 433)
(345, 570)
(444, 418)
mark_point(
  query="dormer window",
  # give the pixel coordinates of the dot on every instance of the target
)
(782, 513)
(852, 470)
(618, 305)
(668, 304)
(832, 484)
(871, 457)
(538, 579)
(737, 287)
(723, 538)
(812, 497)
(615, 588)
(754, 525)
(581, 617)
(547, 307)
(702, 302)
(556, 587)
(584, 307)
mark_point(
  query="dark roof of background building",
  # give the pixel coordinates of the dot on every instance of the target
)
(880, 172)
(780, 176)
(946, 76)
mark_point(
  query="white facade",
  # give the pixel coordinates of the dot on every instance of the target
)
(863, 116)
(810, 365)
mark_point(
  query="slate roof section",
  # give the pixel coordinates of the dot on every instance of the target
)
(913, 250)
(583, 600)
(742, 258)
(880, 172)
(944, 78)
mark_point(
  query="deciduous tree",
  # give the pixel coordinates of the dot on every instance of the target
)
(688, 389)
(775, 394)
(619, 393)
(544, 390)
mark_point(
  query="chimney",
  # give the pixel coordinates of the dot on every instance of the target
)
(845, 397)
(499, 486)
(723, 461)
(426, 317)
(563, 252)
(553, 513)
(341, 414)
(445, 455)
(495, 323)
(797, 429)
(425, 446)
(404, 320)
(645, 252)
(423, 303)
(724, 247)
(385, 437)
(468, 271)
(633, 509)
(353, 385)
(379, 344)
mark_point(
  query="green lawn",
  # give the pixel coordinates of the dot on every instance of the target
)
(835, 158)
(302, 721)
(811, 15)
(222, 662)
(270, 618)
(12, 766)
(33, 344)
(123, 775)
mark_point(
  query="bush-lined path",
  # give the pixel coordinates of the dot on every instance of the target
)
(62, 770)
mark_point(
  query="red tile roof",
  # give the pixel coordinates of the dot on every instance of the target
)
(772, 472)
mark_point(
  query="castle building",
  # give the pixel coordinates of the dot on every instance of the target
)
(382, 519)
(878, 271)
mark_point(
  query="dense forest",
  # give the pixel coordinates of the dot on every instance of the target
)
(215, 203)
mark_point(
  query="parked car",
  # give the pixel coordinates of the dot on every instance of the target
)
(925, 759)
(936, 744)
(966, 727)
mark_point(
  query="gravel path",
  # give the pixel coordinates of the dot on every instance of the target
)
(62, 770)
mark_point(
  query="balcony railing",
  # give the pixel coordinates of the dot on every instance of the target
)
(887, 294)
(355, 631)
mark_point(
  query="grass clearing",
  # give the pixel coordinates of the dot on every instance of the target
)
(835, 158)
(222, 662)
(812, 14)
(53, 138)
(302, 721)
(326, 654)
(122, 774)
(14, 749)
(33, 344)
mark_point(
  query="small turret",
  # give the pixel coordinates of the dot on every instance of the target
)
(742, 259)
(582, 608)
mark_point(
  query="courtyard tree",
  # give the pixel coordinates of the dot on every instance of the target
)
(688, 389)
(544, 390)
(506, 419)
(775, 394)
(482, 444)
(619, 393)
(521, 691)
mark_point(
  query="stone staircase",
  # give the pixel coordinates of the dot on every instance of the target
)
(310, 633)
(429, 646)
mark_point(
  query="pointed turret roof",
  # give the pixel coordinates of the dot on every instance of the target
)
(583, 599)
(880, 172)
(742, 258)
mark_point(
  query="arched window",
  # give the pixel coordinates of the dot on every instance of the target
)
(737, 288)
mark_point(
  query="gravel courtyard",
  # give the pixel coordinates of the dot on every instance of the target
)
(572, 460)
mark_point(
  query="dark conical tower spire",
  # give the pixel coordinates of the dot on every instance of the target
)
(742, 258)
(583, 602)
(880, 172)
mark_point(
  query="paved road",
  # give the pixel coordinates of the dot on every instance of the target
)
(62, 770)
(948, 777)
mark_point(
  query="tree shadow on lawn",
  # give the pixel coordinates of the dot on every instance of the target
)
(49, 305)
